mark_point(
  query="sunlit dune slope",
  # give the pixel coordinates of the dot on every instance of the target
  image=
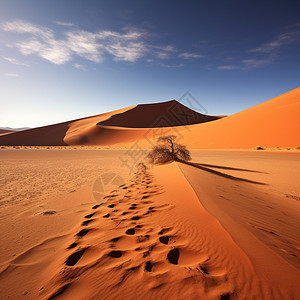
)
(53, 135)
(274, 123)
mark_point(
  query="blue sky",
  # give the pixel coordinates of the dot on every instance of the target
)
(61, 60)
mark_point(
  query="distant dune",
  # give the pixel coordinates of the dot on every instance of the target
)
(4, 131)
(274, 123)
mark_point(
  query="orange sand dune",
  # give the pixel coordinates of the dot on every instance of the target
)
(94, 131)
(53, 135)
(274, 123)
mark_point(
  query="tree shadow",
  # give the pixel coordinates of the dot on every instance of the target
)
(204, 167)
(229, 168)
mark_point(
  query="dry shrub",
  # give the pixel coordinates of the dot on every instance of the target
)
(167, 150)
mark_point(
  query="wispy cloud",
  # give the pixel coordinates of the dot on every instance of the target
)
(280, 41)
(228, 67)
(256, 63)
(248, 64)
(15, 61)
(68, 24)
(11, 75)
(128, 45)
(187, 55)
(266, 53)
(171, 65)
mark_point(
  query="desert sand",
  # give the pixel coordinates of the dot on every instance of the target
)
(79, 220)
(224, 226)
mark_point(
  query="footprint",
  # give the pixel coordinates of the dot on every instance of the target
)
(115, 239)
(89, 216)
(106, 216)
(133, 206)
(150, 210)
(82, 232)
(74, 258)
(73, 245)
(164, 230)
(164, 239)
(96, 206)
(135, 218)
(173, 256)
(148, 266)
(130, 231)
(86, 223)
(115, 254)
(111, 206)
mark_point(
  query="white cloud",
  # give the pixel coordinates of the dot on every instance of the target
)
(15, 61)
(128, 45)
(84, 44)
(187, 55)
(11, 75)
(131, 51)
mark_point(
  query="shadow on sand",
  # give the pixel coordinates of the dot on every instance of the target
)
(206, 167)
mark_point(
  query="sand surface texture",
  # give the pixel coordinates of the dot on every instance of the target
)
(224, 226)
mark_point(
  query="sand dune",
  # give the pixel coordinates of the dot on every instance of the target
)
(4, 131)
(53, 135)
(274, 123)
(104, 129)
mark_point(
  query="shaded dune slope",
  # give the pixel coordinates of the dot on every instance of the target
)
(165, 114)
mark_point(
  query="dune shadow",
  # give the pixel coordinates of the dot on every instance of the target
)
(205, 168)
